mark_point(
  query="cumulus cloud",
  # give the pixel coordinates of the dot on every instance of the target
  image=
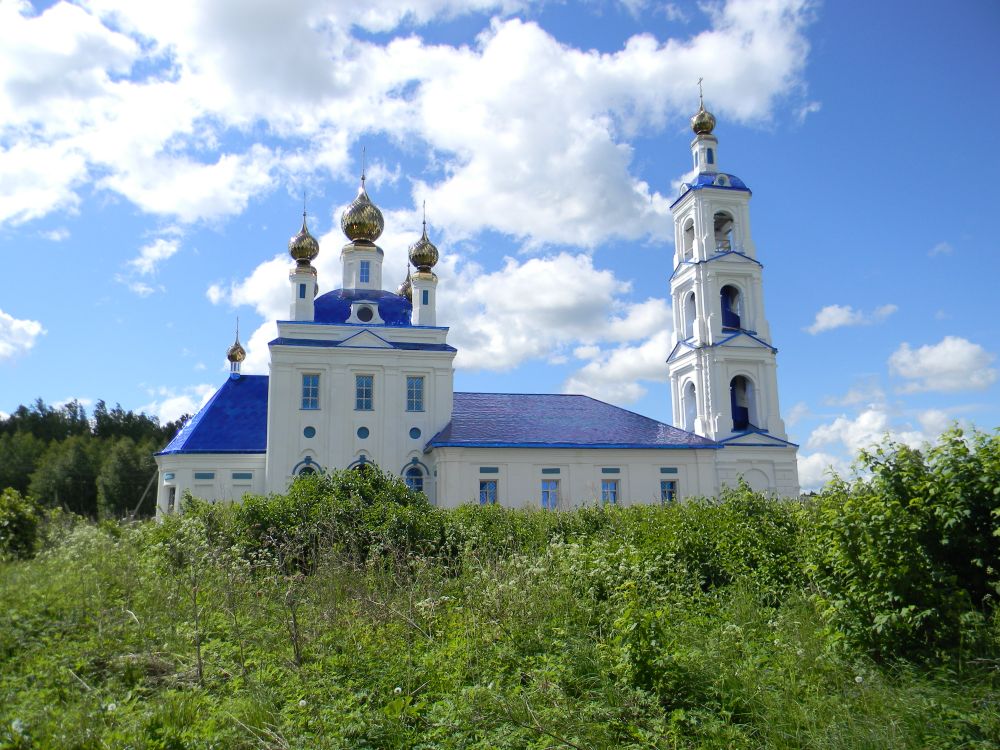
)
(170, 105)
(815, 469)
(840, 316)
(952, 364)
(616, 375)
(865, 430)
(170, 403)
(941, 248)
(151, 255)
(17, 336)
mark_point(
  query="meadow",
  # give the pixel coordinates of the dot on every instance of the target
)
(350, 613)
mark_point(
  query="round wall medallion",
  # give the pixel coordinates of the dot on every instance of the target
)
(414, 432)
(309, 432)
(365, 314)
(363, 432)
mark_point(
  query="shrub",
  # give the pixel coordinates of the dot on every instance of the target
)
(907, 555)
(18, 525)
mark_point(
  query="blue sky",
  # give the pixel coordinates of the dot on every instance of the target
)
(153, 159)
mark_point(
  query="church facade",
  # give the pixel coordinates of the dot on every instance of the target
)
(362, 375)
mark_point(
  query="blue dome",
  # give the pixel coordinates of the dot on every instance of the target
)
(711, 179)
(335, 306)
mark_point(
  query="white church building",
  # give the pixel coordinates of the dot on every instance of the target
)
(362, 375)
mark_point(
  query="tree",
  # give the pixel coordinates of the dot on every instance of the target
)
(46, 422)
(20, 453)
(124, 477)
(117, 423)
(66, 476)
(18, 525)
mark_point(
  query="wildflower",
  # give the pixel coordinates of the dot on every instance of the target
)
(112, 706)
(799, 652)
(859, 679)
(302, 703)
(397, 690)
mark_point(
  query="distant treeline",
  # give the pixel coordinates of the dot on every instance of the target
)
(97, 466)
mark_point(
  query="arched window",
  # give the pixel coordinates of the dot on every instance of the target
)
(689, 316)
(306, 470)
(688, 253)
(725, 239)
(711, 156)
(732, 307)
(414, 478)
(690, 402)
(742, 397)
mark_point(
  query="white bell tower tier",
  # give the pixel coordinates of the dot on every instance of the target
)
(722, 367)
(303, 248)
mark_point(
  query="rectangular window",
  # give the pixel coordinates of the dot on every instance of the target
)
(302, 291)
(609, 491)
(668, 490)
(611, 471)
(550, 494)
(425, 296)
(168, 476)
(487, 491)
(489, 469)
(364, 385)
(366, 271)
(310, 391)
(204, 475)
(414, 393)
(242, 475)
(668, 470)
(550, 471)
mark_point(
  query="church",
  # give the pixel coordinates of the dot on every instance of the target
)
(361, 375)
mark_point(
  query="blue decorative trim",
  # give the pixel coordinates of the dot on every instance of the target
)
(668, 470)
(309, 432)
(404, 345)
(550, 471)
(598, 446)
(716, 256)
(363, 433)
(611, 471)
(242, 475)
(414, 462)
(489, 469)
(168, 476)
(415, 433)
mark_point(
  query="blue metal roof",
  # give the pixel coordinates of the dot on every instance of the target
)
(708, 180)
(406, 345)
(335, 306)
(541, 420)
(233, 421)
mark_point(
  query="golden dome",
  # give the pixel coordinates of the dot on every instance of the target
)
(303, 247)
(236, 352)
(406, 288)
(362, 220)
(423, 252)
(703, 122)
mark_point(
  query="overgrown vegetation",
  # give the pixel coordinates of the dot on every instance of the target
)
(349, 613)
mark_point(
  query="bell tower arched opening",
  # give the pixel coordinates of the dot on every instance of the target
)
(688, 240)
(725, 232)
(732, 307)
(689, 316)
(690, 403)
(743, 399)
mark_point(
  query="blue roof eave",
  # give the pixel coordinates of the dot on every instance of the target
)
(599, 446)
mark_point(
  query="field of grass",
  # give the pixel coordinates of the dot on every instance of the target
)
(350, 614)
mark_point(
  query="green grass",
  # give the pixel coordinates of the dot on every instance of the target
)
(680, 627)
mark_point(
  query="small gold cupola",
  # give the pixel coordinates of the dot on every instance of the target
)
(362, 220)
(303, 247)
(406, 288)
(424, 253)
(703, 121)
(236, 354)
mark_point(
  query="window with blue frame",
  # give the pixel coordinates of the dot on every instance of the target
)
(414, 393)
(487, 491)
(711, 156)
(425, 296)
(415, 479)
(302, 291)
(364, 386)
(365, 274)
(668, 491)
(609, 491)
(550, 494)
(310, 391)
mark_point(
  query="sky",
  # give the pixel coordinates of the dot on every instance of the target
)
(154, 158)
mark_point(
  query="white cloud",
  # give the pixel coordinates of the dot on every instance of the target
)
(815, 469)
(839, 316)
(953, 364)
(941, 248)
(58, 234)
(865, 430)
(810, 108)
(168, 105)
(170, 403)
(867, 392)
(798, 412)
(17, 336)
(151, 255)
(615, 375)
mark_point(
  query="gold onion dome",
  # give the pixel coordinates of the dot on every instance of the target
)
(703, 122)
(236, 352)
(362, 220)
(406, 288)
(423, 252)
(303, 247)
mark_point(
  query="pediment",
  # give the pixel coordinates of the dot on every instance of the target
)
(365, 340)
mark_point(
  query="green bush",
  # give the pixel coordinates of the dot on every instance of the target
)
(907, 555)
(19, 523)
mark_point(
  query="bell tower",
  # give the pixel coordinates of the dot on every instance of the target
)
(723, 371)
